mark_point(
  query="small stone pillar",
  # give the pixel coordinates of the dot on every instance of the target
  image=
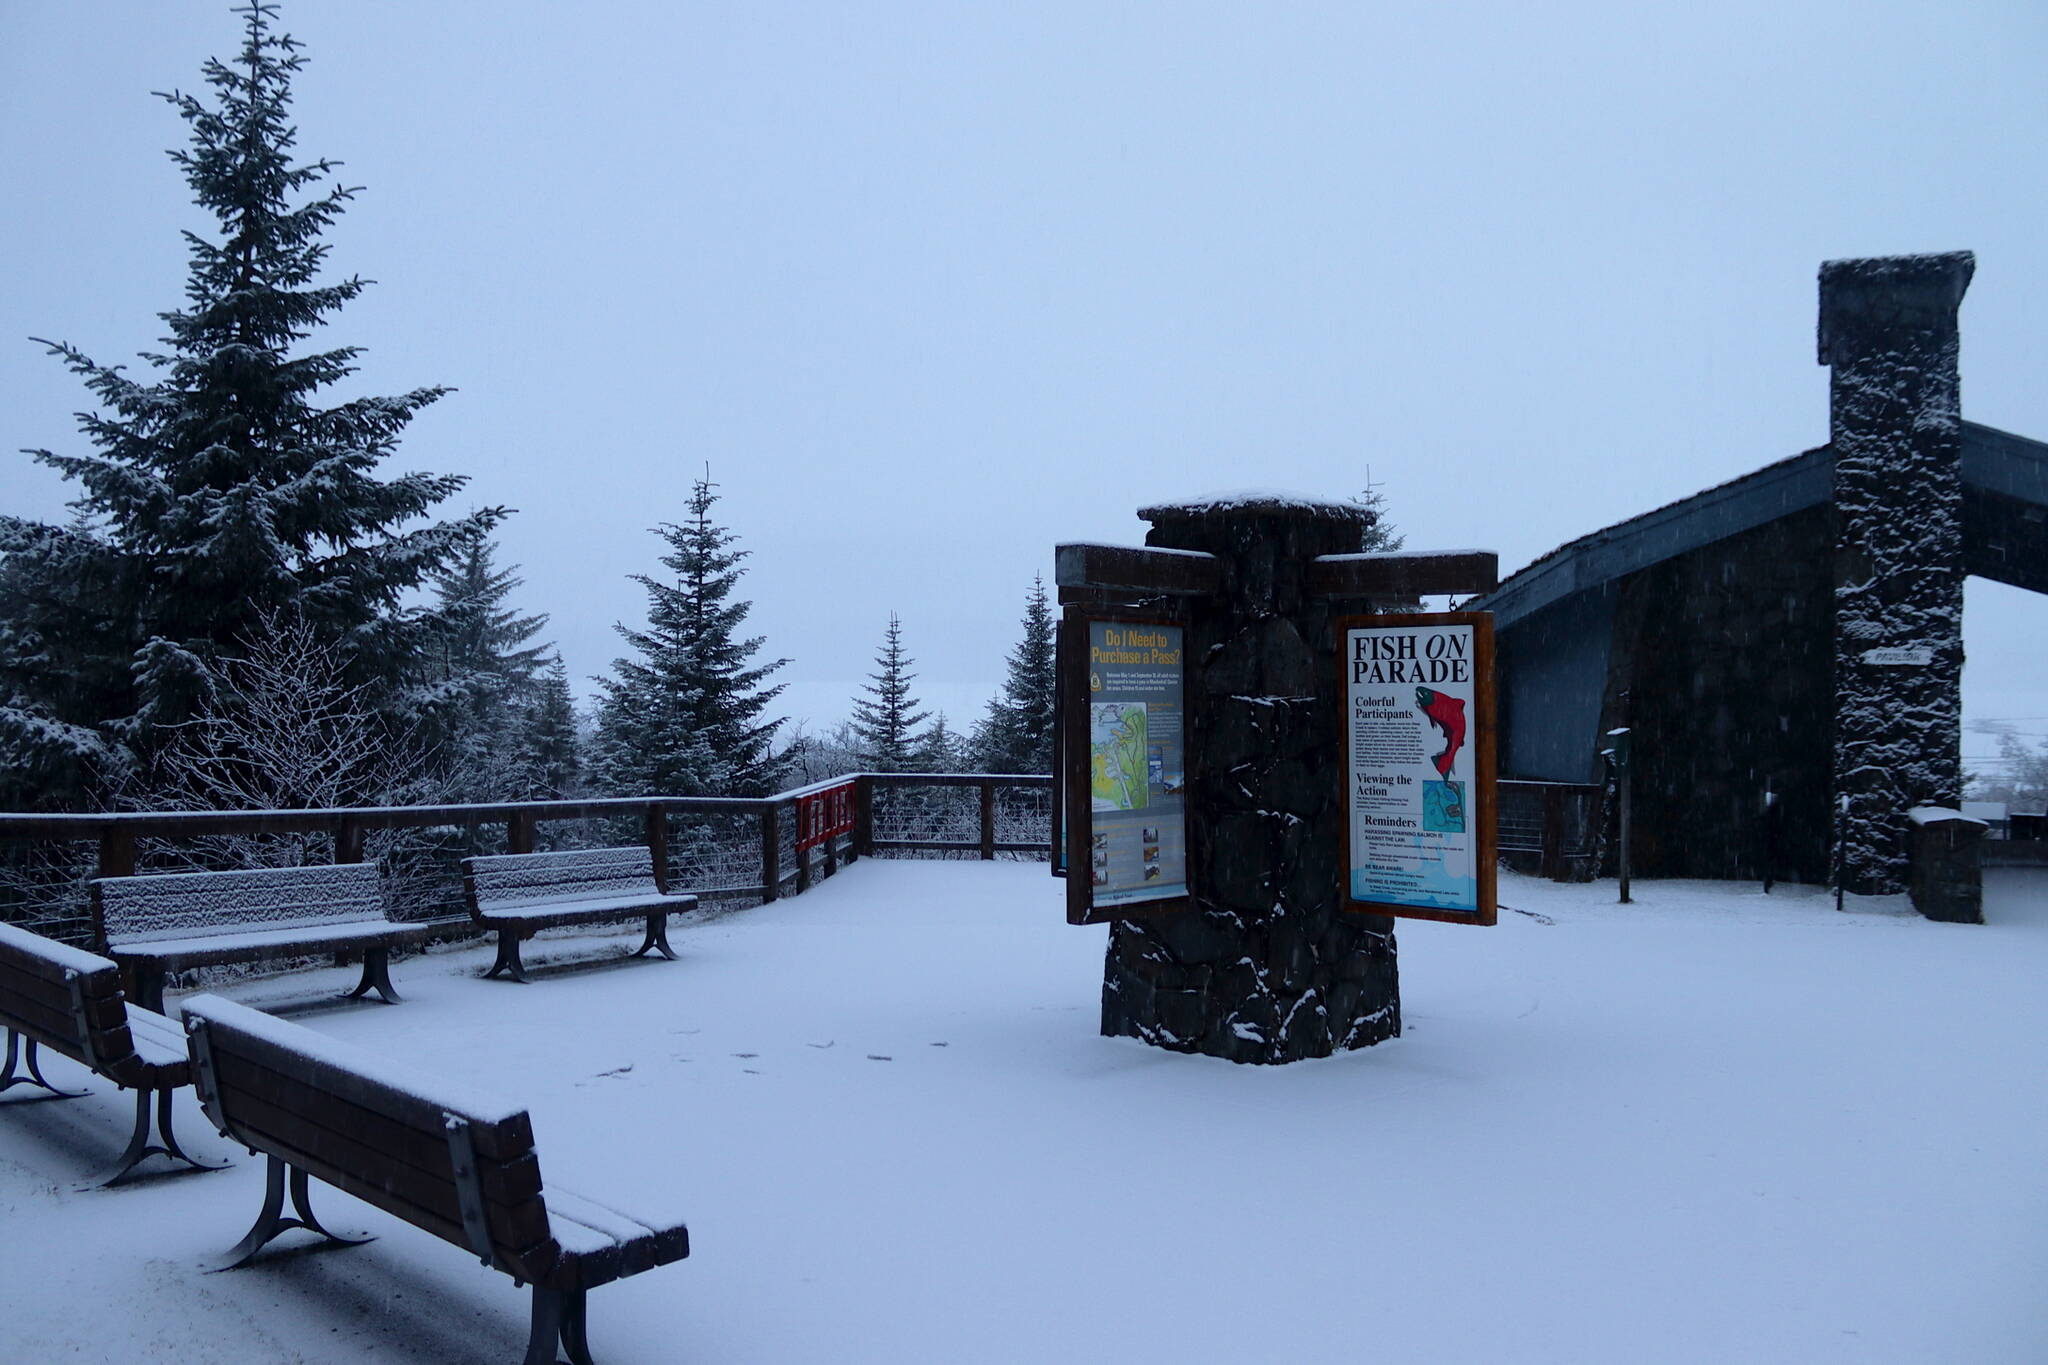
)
(1265, 967)
(1946, 878)
(1888, 332)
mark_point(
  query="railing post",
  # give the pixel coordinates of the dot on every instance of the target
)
(864, 817)
(519, 832)
(988, 820)
(117, 853)
(348, 841)
(1553, 834)
(657, 842)
(771, 852)
(803, 868)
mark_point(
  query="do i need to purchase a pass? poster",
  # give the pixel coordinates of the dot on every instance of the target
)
(1137, 765)
(1419, 764)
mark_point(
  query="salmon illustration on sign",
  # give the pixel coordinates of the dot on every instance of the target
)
(1446, 713)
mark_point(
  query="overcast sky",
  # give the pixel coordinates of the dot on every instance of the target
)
(935, 287)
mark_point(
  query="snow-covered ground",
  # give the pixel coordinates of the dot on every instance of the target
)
(1710, 1127)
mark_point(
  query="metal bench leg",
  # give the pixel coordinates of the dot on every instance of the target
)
(508, 957)
(140, 1147)
(558, 1321)
(8, 1080)
(272, 1221)
(657, 937)
(376, 977)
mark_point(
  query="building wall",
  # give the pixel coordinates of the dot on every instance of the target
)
(1722, 666)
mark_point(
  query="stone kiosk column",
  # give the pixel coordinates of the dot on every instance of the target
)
(1888, 334)
(1262, 963)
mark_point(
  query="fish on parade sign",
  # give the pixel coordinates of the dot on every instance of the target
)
(1124, 750)
(1418, 766)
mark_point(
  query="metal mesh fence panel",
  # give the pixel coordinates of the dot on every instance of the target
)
(1024, 816)
(926, 815)
(715, 854)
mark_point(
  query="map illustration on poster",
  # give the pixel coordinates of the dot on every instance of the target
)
(1418, 765)
(1137, 765)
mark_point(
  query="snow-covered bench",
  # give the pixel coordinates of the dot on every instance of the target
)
(519, 894)
(171, 921)
(55, 996)
(433, 1152)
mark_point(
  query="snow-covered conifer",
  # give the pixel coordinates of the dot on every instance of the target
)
(942, 749)
(220, 493)
(684, 717)
(1015, 733)
(481, 678)
(885, 720)
(550, 754)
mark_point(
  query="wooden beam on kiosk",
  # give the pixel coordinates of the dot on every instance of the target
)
(1128, 569)
(1403, 574)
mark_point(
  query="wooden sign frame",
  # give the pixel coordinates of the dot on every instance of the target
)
(1073, 799)
(1482, 804)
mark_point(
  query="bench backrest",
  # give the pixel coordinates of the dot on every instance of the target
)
(444, 1158)
(183, 905)
(63, 998)
(512, 881)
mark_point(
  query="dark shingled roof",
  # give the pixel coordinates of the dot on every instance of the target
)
(1993, 460)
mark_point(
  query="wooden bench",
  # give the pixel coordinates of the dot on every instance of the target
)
(519, 894)
(432, 1152)
(171, 921)
(55, 996)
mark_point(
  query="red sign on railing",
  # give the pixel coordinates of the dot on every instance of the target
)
(824, 815)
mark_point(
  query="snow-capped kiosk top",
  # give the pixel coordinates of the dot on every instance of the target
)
(1934, 815)
(1258, 502)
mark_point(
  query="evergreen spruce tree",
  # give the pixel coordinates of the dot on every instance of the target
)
(943, 749)
(550, 757)
(684, 718)
(220, 494)
(482, 678)
(1015, 734)
(885, 721)
(1379, 536)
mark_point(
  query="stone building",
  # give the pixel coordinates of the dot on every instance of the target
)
(1786, 648)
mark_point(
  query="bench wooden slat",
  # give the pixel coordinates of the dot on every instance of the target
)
(503, 1140)
(58, 1029)
(639, 1246)
(532, 1263)
(420, 1149)
(516, 1227)
(103, 1005)
(268, 945)
(174, 904)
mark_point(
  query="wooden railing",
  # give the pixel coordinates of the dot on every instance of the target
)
(969, 819)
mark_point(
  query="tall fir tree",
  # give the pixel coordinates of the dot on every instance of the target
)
(221, 494)
(885, 720)
(1015, 734)
(943, 749)
(684, 718)
(482, 678)
(550, 754)
(1379, 536)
